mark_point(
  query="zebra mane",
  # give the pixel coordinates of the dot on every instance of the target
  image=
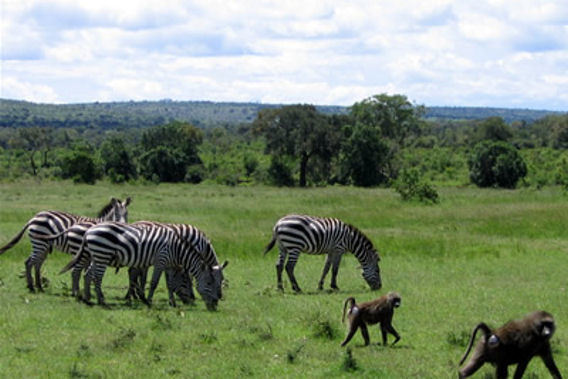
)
(107, 208)
(356, 232)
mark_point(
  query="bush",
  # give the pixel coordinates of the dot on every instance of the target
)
(80, 166)
(280, 173)
(410, 186)
(496, 164)
(163, 165)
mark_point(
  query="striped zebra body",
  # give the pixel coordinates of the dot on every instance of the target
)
(314, 235)
(180, 280)
(54, 223)
(116, 244)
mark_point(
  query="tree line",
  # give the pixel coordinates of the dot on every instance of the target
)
(384, 140)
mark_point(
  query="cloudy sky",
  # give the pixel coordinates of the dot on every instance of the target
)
(461, 53)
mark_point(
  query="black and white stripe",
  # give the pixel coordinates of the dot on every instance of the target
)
(315, 235)
(117, 244)
(50, 223)
(203, 246)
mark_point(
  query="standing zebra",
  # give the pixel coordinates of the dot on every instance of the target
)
(195, 237)
(177, 280)
(117, 244)
(315, 235)
(48, 223)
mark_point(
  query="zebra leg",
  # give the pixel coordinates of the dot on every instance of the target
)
(29, 278)
(75, 278)
(335, 270)
(98, 273)
(170, 283)
(142, 283)
(133, 274)
(155, 279)
(325, 271)
(280, 267)
(87, 290)
(292, 259)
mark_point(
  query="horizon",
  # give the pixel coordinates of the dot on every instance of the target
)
(271, 104)
(443, 53)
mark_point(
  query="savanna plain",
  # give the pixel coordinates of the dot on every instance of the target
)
(479, 255)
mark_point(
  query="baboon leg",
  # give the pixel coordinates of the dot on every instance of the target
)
(365, 334)
(392, 331)
(502, 371)
(549, 362)
(520, 370)
(334, 270)
(352, 330)
(326, 267)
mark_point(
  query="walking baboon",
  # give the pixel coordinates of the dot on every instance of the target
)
(380, 310)
(516, 342)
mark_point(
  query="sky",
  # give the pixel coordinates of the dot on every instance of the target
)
(510, 53)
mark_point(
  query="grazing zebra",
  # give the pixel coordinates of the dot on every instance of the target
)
(202, 245)
(48, 223)
(117, 244)
(315, 235)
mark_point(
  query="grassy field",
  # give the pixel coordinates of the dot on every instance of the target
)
(486, 255)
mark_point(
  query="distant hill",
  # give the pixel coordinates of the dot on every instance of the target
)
(204, 114)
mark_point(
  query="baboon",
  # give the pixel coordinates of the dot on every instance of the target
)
(516, 342)
(380, 310)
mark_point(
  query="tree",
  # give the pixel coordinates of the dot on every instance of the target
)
(117, 159)
(496, 164)
(297, 131)
(169, 150)
(80, 165)
(34, 140)
(364, 154)
(494, 129)
(395, 116)
(382, 125)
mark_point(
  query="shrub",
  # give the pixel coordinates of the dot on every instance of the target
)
(410, 186)
(496, 164)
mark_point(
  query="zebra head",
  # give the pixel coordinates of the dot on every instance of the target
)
(209, 286)
(217, 272)
(116, 210)
(371, 271)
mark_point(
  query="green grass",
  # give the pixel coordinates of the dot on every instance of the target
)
(486, 255)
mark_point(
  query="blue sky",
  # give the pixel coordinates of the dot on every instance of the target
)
(458, 53)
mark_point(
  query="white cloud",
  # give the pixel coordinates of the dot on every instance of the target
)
(491, 53)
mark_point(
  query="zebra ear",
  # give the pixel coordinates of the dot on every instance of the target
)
(127, 201)
(224, 265)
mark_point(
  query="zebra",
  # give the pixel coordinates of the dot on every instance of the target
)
(199, 240)
(315, 235)
(118, 244)
(47, 223)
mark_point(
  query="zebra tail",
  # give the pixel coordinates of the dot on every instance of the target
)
(51, 237)
(16, 239)
(270, 244)
(349, 299)
(75, 259)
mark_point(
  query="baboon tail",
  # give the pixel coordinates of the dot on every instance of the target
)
(16, 238)
(270, 244)
(349, 299)
(485, 329)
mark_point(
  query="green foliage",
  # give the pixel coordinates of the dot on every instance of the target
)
(494, 129)
(162, 164)
(117, 159)
(80, 165)
(496, 164)
(410, 186)
(298, 131)
(280, 172)
(365, 155)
